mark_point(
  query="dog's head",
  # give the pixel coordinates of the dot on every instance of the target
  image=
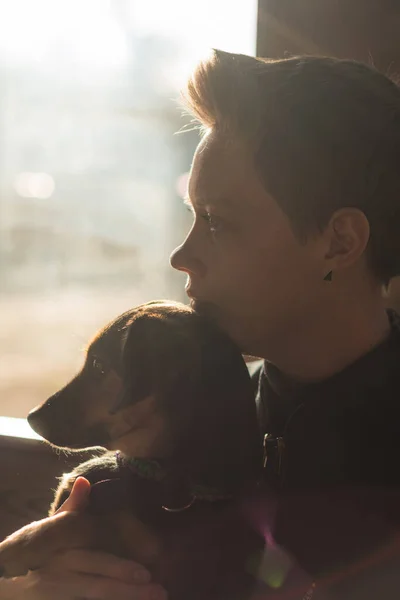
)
(161, 381)
(76, 415)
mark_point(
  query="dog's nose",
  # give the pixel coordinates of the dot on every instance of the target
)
(37, 421)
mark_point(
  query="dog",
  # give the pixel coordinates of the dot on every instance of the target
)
(168, 397)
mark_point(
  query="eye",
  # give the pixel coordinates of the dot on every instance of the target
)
(98, 367)
(213, 222)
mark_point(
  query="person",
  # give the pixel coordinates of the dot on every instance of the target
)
(295, 192)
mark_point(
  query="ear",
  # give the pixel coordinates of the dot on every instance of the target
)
(154, 356)
(137, 368)
(347, 236)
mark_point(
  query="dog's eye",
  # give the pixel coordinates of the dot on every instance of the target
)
(98, 367)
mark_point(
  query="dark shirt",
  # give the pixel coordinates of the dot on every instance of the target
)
(333, 468)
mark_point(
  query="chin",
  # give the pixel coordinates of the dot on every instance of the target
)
(230, 325)
(77, 448)
(94, 437)
(207, 309)
(214, 313)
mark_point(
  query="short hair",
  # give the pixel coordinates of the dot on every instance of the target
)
(325, 134)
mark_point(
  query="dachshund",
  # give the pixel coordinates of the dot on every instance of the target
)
(168, 397)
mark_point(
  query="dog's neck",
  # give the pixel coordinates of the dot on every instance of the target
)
(160, 470)
(141, 430)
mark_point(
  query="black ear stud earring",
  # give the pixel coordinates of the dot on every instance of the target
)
(328, 276)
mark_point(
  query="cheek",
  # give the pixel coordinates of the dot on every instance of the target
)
(200, 243)
(273, 270)
(103, 398)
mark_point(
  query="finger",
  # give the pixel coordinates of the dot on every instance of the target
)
(46, 584)
(98, 588)
(78, 497)
(91, 562)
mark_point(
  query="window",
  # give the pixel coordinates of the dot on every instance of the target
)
(91, 171)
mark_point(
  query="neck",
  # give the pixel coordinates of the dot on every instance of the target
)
(331, 341)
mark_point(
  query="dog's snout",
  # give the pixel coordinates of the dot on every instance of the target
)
(59, 420)
(38, 422)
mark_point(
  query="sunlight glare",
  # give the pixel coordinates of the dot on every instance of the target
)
(13, 427)
(38, 30)
(92, 34)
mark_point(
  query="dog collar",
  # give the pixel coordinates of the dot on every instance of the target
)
(152, 469)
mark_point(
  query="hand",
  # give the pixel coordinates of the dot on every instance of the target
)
(82, 573)
(33, 546)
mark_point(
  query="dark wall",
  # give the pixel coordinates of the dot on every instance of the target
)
(367, 30)
(28, 476)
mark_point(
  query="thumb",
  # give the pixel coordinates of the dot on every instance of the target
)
(78, 498)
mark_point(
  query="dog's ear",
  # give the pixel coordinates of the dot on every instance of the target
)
(223, 446)
(156, 353)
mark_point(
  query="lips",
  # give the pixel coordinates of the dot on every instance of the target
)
(195, 300)
(192, 292)
(206, 309)
(198, 303)
(189, 290)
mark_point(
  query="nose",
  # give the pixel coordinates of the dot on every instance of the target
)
(183, 260)
(175, 260)
(37, 420)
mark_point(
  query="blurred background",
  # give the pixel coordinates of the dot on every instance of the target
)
(92, 169)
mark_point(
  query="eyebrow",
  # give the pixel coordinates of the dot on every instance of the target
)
(222, 201)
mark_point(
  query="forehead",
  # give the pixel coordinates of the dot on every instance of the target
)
(223, 170)
(108, 343)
